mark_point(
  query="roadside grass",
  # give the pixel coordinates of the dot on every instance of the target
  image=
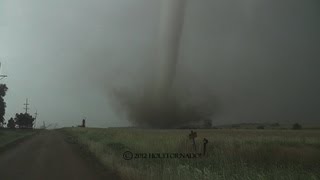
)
(232, 154)
(8, 136)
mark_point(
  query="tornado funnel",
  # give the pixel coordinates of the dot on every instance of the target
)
(168, 44)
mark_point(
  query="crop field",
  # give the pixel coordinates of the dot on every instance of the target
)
(231, 154)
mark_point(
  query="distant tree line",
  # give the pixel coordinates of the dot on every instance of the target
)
(296, 126)
(22, 121)
(3, 91)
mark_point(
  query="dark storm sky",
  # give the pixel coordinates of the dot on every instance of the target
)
(260, 58)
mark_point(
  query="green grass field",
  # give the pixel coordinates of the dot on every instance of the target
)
(232, 154)
(8, 136)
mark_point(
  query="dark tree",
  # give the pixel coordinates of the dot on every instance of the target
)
(24, 120)
(3, 90)
(275, 125)
(296, 126)
(11, 124)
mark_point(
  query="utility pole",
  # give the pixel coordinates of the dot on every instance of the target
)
(27, 104)
(2, 76)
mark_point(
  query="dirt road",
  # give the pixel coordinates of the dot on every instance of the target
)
(46, 157)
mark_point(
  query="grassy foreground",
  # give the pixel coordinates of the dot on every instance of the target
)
(232, 154)
(8, 136)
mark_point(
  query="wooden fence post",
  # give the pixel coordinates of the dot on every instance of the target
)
(205, 142)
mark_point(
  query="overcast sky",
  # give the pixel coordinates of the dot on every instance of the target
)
(260, 58)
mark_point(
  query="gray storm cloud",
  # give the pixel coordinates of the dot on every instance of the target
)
(72, 58)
